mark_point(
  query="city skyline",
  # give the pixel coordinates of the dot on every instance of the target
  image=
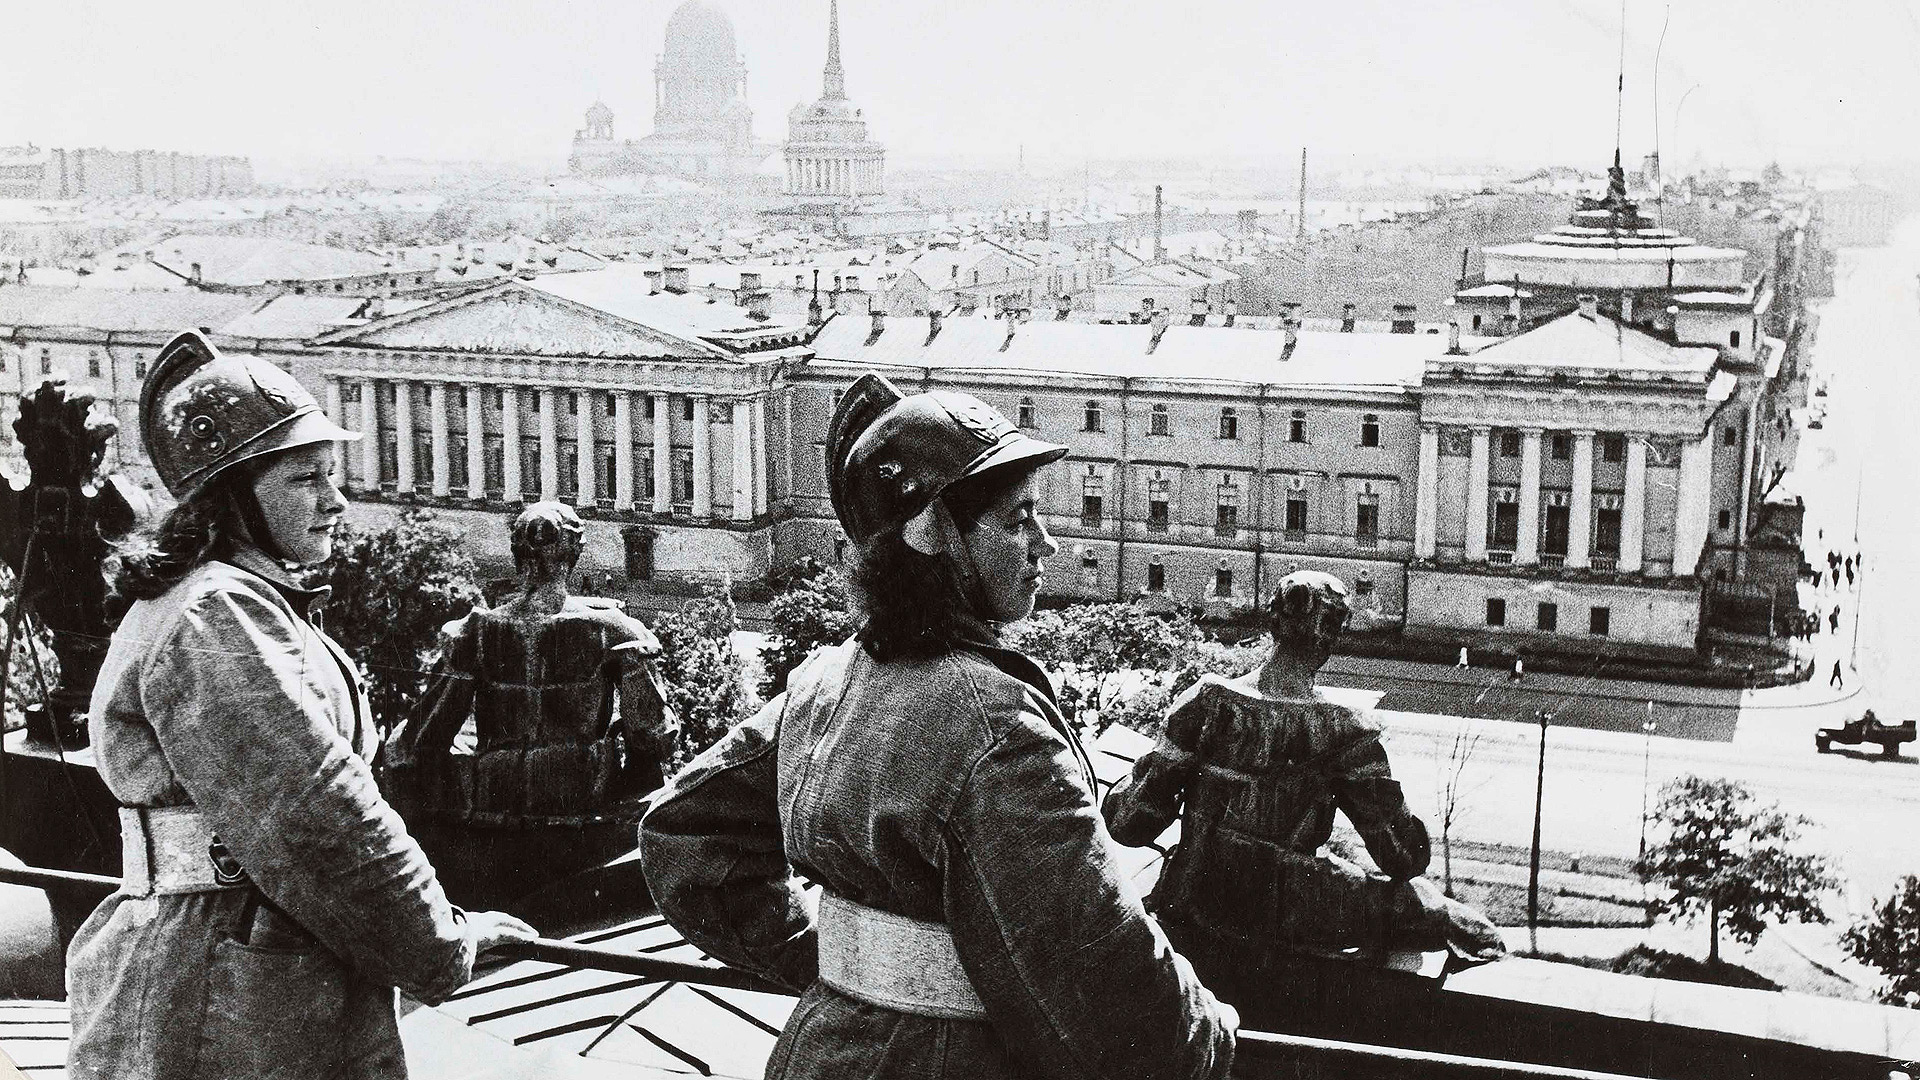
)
(1067, 81)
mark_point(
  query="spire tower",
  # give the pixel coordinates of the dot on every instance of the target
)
(833, 84)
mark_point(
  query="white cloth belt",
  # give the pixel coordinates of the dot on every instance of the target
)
(167, 850)
(893, 961)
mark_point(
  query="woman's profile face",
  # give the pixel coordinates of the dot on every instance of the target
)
(1008, 543)
(299, 502)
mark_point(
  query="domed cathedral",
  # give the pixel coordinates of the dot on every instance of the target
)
(702, 126)
(828, 154)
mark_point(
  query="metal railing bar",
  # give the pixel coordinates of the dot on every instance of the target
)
(508, 984)
(1259, 1045)
(699, 1066)
(563, 1029)
(577, 995)
(626, 1016)
(735, 1009)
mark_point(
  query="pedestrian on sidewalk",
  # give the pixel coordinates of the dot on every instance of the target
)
(1833, 620)
(1816, 579)
(1849, 573)
(1463, 657)
(1835, 679)
(1519, 670)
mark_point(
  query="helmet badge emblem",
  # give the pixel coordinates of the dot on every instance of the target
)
(203, 428)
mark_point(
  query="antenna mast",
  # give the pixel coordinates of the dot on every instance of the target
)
(1620, 87)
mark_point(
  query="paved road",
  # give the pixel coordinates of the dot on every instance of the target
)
(1867, 811)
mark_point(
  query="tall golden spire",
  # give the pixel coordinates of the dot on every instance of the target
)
(834, 84)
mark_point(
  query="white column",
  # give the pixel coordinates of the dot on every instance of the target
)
(1693, 506)
(1477, 463)
(403, 437)
(337, 412)
(549, 444)
(1527, 552)
(1580, 514)
(476, 443)
(586, 476)
(742, 461)
(369, 435)
(437, 418)
(1425, 512)
(702, 460)
(510, 443)
(1633, 508)
(623, 450)
(662, 454)
(761, 504)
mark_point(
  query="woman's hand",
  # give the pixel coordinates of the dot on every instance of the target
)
(492, 929)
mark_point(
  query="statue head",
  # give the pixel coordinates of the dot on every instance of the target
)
(545, 540)
(62, 435)
(1307, 613)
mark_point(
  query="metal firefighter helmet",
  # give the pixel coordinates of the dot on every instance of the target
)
(202, 413)
(890, 455)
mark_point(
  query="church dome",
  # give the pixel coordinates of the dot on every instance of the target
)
(699, 30)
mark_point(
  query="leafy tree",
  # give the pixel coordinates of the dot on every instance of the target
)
(701, 669)
(32, 662)
(1721, 851)
(1889, 940)
(1102, 651)
(809, 611)
(393, 589)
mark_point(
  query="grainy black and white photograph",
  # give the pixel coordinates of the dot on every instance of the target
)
(1048, 540)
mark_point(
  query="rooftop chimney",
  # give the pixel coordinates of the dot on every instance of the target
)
(1062, 307)
(933, 326)
(1292, 331)
(749, 281)
(653, 281)
(1012, 325)
(879, 325)
(123, 260)
(675, 279)
(195, 270)
(436, 261)
(1198, 311)
(1159, 249)
(1626, 308)
(1513, 308)
(1403, 318)
(1231, 309)
(815, 314)
(1346, 318)
(759, 305)
(1589, 306)
(1453, 339)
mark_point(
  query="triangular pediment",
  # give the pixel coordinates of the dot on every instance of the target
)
(510, 319)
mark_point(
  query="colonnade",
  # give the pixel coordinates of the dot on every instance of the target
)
(748, 453)
(1690, 514)
(833, 176)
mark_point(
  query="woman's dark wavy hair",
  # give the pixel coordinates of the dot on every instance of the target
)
(205, 526)
(913, 603)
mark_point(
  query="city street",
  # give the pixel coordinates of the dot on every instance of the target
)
(1866, 810)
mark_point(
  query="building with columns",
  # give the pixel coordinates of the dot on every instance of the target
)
(829, 156)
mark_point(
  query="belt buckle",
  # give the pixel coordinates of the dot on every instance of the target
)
(227, 870)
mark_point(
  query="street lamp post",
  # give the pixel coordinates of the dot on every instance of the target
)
(1647, 727)
(1533, 865)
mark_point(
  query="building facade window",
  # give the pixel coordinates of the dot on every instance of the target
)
(638, 542)
(1093, 491)
(1297, 514)
(1599, 621)
(1156, 577)
(1297, 426)
(1506, 526)
(1229, 424)
(1226, 517)
(1726, 519)
(496, 479)
(530, 470)
(459, 397)
(1730, 436)
(1223, 581)
(1733, 339)
(1092, 420)
(93, 364)
(1547, 617)
(1159, 421)
(46, 361)
(1613, 449)
(1158, 501)
(1562, 446)
(1496, 611)
(1027, 414)
(569, 469)
(683, 477)
(349, 392)
(1089, 569)
(1369, 430)
(457, 461)
(1366, 525)
(1509, 444)
(686, 406)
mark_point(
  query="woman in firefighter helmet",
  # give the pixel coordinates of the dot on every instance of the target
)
(270, 901)
(972, 921)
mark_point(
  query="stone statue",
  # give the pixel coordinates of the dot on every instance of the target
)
(546, 718)
(1255, 768)
(54, 536)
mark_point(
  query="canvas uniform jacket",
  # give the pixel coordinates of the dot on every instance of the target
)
(222, 696)
(1255, 784)
(949, 790)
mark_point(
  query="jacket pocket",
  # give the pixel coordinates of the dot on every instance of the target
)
(275, 1014)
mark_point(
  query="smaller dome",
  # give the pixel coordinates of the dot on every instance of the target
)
(598, 114)
(699, 30)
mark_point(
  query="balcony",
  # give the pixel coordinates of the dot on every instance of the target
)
(1609, 563)
(1552, 562)
(1499, 558)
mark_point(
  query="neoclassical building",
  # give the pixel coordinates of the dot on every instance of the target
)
(829, 156)
(702, 125)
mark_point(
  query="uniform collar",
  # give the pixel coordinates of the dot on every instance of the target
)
(261, 565)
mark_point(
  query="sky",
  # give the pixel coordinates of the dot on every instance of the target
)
(1518, 82)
